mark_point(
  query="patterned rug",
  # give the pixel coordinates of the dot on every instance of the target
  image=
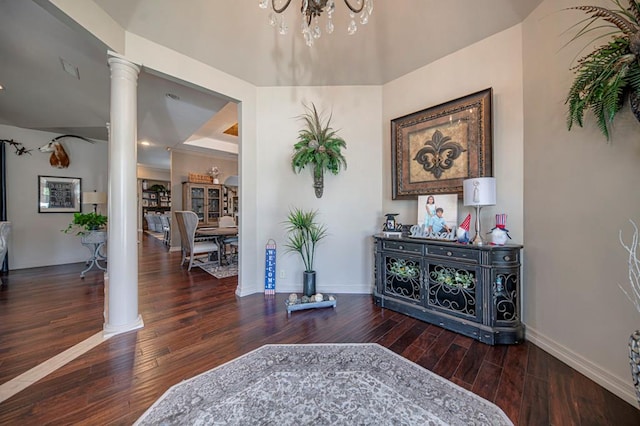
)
(223, 271)
(363, 384)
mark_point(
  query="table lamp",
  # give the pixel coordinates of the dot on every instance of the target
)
(94, 198)
(231, 181)
(479, 192)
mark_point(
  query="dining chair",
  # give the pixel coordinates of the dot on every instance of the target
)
(231, 241)
(187, 223)
(166, 228)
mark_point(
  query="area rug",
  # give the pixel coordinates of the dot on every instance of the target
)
(363, 384)
(223, 271)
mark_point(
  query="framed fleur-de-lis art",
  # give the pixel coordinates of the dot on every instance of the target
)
(434, 150)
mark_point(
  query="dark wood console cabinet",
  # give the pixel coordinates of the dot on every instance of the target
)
(472, 290)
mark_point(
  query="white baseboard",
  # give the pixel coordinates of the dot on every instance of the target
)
(325, 289)
(622, 387)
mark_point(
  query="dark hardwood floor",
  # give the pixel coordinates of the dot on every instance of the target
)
(194, 322)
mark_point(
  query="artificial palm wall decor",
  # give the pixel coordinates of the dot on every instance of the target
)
(605, 77)
(318, 146)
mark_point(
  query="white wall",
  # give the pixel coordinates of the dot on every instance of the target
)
(494, 62)
(36, 238)
(350, 206)
(579, 192)
(153, 173)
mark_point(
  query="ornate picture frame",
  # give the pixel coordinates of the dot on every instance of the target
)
(434, 150)
(59, 194)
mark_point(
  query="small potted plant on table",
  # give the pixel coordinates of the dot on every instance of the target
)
(84, 223)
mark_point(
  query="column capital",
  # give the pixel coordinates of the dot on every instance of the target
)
(115, 59)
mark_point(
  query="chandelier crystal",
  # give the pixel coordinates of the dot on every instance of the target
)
(312, 10)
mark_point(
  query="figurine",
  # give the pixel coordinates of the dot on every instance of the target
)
(463, 230)
(500, 234)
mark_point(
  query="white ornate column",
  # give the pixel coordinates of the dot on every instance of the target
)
(121, 300)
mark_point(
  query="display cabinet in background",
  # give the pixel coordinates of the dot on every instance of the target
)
(203, 199)
(155, 199)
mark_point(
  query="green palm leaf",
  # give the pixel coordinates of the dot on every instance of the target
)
(304, 233)
(318, 144)
(604, 77)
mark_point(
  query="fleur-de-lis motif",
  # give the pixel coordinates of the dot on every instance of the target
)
(438, 154)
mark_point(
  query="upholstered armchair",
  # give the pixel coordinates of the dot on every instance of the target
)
(187, 222)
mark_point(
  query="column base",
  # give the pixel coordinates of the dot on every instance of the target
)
(111, 330)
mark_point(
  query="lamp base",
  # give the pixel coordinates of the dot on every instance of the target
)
(477, 239)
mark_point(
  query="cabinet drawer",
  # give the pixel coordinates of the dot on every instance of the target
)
(402, 246)
(454, 253)
(503, 257)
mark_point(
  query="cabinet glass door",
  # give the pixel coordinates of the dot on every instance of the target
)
(505, 297)
(401, 278)
(197, 202)
(213, 208)
(454, 289)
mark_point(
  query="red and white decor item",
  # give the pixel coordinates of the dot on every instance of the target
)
(500, 234)
(463, 230)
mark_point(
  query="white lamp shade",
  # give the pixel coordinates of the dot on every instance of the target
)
(94, 197)
(231, 181)
(479, 191)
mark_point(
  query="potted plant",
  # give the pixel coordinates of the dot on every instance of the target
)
(304, 233)
(83, 222)
(609, 74)
(318, 146)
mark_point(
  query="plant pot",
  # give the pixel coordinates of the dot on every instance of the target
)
(634, 361)
(318, 181)
(309, 283)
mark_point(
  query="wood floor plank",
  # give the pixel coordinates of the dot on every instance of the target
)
(195, 322)
(536, 411)
(470, 365)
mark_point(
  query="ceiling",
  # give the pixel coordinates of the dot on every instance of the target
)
(232, 36)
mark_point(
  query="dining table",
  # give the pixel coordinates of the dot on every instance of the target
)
(216, 234)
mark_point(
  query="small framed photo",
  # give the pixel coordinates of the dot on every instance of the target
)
(59, 194)
(145, 203)
(437, 211)
(152, 195)
(164, 198)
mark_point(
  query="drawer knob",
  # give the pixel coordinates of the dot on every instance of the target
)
(449, 253)
(401, 247)
(507, 258)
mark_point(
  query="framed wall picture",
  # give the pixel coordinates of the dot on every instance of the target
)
(434, 150)
(59, 194)
(434, 210)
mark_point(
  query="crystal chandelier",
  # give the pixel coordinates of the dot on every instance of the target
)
(311, 11)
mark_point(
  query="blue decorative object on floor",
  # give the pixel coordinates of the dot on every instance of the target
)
(270, 268)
